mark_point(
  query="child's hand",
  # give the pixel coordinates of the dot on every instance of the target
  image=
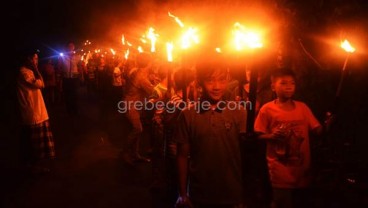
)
(183, 202)
(279, 134)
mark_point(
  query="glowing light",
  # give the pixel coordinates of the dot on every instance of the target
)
(177, 20)
(347, 46)
(123, 39)
(244, 38)
(61, 54)
(169, 49)
(153, 37)
(218, 50)
(143, 40)
(113, 51)
(140, 49)
(189, 38)
(126, 54)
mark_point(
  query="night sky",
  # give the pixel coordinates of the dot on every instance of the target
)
(50, 22)
(53, 23)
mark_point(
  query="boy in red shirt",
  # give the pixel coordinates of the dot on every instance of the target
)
(285, 124)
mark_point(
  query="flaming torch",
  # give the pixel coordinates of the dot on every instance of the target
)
(349, 50)
(126, 54)
(330, 116)
(188, 38)
(153, 37)
(248, 39)
(169, 49)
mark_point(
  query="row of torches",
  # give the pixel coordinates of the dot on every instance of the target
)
(243, 38)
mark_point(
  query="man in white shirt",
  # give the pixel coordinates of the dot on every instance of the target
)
(36, 136)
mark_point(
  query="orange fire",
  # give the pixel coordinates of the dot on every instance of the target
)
(347, 46)
(153, 37)
(169, 49)
(244, 38)
(189, 38)
(113, 51)
(140, 49)
(123, 39)
(126, 55)
(177, 20)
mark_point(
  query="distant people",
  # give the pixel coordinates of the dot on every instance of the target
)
(70, 65)
(36, 136)
(49, 77)
(169, 119)
(208, 151)
(285, 124)
(256, 179)
(91, 80)
(138, 90)
(264, 92)
(117, 82)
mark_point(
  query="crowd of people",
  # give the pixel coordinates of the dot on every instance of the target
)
(196, 116)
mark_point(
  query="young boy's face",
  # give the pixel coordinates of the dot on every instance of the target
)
(216, 85)
(284, 86)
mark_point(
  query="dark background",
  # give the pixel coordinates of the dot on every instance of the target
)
(49, 25)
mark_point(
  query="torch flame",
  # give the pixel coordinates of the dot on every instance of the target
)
(169, 49)
(189, 37)
(123, 39)
(126, 55)
(140, 49)
(347, 47)
(143, 39)
(153, 37)
(177, 20)
(245, 38)
(113, 51)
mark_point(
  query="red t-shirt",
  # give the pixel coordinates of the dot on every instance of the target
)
(288, 160)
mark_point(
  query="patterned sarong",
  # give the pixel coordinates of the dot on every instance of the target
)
(37, 142)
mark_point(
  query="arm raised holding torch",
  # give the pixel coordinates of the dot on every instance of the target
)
(330, 115)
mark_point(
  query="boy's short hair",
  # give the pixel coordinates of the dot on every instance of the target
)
(281, 72)
(209, 65)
